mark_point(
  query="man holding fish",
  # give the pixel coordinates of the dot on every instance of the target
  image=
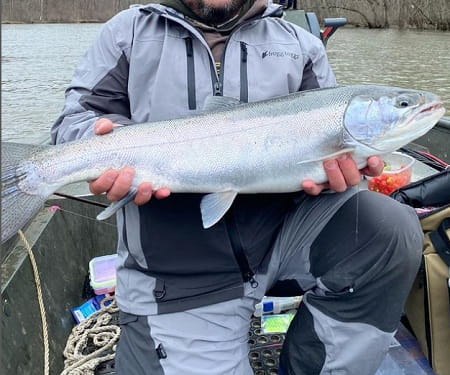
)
(187, 293)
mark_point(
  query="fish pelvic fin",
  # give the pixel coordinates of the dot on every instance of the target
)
(215, 205)
(116, 206)
(18, 206)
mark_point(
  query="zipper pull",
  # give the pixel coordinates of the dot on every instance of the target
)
(253, 283)
(217, 89)
(161, 352)
(250, 277)
(159, 291)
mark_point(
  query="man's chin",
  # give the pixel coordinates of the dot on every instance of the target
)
(215, 12)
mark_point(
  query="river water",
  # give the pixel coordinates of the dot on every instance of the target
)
(38, 61)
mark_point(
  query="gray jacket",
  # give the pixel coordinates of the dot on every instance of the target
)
(148, 64)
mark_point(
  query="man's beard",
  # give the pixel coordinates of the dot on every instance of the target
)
(215, 15)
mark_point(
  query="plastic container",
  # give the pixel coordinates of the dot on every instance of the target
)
(396, 173)
(275, 305)
(88, 308)
(102, 272)
(277, 323)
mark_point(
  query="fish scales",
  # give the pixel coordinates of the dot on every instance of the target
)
(208, 152)
(266, 146)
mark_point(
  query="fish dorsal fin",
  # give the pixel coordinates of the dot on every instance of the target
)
(116, 206)
(216, 102)
(334, 155)
(214, 206)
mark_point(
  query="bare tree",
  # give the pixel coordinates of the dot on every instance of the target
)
(386, 13)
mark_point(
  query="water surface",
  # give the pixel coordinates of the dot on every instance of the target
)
(38, 61)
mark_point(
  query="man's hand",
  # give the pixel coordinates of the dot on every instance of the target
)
(343, 173)
(116, 184)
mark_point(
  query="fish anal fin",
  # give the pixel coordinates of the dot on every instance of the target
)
(215, 205)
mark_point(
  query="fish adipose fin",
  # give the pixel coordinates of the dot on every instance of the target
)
(18, 207)
(214, 206)
(334, 155)
(116, 206)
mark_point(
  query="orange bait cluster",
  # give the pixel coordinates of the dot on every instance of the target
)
(386, 183)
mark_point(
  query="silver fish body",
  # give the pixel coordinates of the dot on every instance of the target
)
(266, 146)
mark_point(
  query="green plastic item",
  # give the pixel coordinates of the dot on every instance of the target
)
(277, 323)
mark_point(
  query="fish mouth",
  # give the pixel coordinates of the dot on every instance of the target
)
(425, 118)
(426, 109)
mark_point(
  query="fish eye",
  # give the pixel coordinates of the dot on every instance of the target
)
(406, 101)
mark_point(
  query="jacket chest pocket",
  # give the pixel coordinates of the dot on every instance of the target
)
(258, 72)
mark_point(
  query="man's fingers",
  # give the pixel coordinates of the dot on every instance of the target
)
(311, 188)
(117, 184)
(374, 167)
(104, 182)
(342, 173)
(336, 179)
(121, 185)
(162, 193)
(143, 194)
(349, 170)
(103, 126)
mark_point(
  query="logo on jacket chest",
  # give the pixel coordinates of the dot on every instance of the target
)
(291, 55)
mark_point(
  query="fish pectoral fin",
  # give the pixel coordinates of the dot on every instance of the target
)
(216, 102)
(334, 155)
(214, 206)
(116, 206)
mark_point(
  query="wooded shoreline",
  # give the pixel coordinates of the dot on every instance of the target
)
(418, 14)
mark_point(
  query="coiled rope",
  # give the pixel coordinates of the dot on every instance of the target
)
(97, 332)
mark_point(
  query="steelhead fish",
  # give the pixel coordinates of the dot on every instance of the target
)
(230, 148)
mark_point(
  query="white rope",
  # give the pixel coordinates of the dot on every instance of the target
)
(104, 337)
(96, 330)
(40, 301)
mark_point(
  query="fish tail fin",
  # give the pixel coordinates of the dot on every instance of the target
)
(18, 207)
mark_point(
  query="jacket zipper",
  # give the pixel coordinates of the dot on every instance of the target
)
(238, 249)
(230, 221)
(243, 76)
(222, 60)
